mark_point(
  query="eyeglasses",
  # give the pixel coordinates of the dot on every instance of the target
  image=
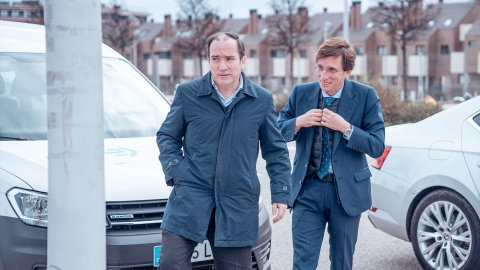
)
(328, 70)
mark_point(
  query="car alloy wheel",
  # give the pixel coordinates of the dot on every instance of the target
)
(444, 232)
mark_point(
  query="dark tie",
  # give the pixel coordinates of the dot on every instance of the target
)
(323, 170)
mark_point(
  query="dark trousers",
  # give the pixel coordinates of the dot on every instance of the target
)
(177, 252)
(317, 205)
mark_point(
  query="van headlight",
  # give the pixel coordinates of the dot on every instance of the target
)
(260, 204)
(31, 207)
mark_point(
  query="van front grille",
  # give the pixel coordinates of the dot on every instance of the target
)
(134, 216)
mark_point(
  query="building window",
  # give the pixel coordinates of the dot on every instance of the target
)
(164, 55)
(128, 57)
(461, 79)
(15, 13)
(359, 50)
(472, 43)
(395, 80)
(444, 49)
(303, 54)
(146, 56)
(3, 13)
(381, 50)
(253, 53)
(187, 55)
(420, 50)
(277, 54)
(26, 13)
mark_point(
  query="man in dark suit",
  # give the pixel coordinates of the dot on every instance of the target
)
(335, 122)
(209, 145)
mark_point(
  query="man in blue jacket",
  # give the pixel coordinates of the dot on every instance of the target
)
(335, 122)
(209, 146)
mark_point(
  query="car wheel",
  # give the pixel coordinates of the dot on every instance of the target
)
(445, 232)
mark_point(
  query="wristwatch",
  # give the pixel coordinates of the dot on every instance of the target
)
(348, 131)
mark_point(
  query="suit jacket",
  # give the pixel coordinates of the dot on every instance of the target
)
(360, 106)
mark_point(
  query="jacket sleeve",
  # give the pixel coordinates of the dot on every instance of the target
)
(170, 139)
(369, 138)
(275, 153)
(287, 118)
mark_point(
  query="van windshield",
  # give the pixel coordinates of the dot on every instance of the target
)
(132, 106)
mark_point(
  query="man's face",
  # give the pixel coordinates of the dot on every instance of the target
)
(225, 63)
(330, 74)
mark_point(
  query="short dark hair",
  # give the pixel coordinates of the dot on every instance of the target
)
(337, 46)
(240, 44)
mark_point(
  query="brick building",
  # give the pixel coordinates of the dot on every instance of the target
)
(445, 59)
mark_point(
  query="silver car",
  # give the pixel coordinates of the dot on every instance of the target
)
(425, 187)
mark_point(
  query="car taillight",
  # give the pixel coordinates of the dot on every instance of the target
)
(378, 162)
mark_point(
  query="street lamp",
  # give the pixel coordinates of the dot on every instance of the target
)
(136, 32)
(346, 24)
(326, 28)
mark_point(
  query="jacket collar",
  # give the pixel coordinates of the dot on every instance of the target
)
(206, 88)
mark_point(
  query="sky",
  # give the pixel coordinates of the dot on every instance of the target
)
(239, 8)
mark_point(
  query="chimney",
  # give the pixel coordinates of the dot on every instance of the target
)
(230, 16)
(253, 22)
(355, 15)
(303, 11)
(440, 1)
(325, 10)
(302, 17)
(209, 17)
(167, 26)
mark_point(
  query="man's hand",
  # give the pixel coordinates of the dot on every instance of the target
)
(310, 118)
(282, 209)
(334, 121)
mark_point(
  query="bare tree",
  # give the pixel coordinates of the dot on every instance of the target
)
(197, 21)
(288, 28)
(117, 29)
(404, 21)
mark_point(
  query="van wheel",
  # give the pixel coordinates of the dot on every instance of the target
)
(445, 232)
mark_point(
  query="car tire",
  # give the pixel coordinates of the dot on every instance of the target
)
(445, 232)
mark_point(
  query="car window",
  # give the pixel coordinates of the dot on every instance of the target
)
(132, 106)
(476, 119)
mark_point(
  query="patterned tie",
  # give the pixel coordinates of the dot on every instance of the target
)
(323, 170)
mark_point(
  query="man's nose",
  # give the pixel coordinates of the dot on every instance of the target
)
(223, 65)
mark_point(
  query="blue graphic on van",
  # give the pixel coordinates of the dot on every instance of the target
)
(120, 152)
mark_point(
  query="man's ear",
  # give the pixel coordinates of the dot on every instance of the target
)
(243, 61)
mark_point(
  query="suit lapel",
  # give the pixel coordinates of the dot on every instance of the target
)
(310, 102)
(311, 99)
(345, 109)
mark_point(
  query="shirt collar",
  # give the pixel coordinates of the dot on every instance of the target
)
(337, 95)
(224, 101)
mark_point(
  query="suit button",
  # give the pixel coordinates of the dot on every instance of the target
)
(305, 165)
(285, 188)
(300, 182)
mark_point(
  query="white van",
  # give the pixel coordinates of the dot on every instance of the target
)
(136, 193)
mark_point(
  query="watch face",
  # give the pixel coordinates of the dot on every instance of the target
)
(348, 131)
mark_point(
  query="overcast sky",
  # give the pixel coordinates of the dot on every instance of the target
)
(239, 8)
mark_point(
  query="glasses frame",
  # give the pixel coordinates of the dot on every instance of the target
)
(329, 70)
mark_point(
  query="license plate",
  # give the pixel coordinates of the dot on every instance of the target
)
(202, 252)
